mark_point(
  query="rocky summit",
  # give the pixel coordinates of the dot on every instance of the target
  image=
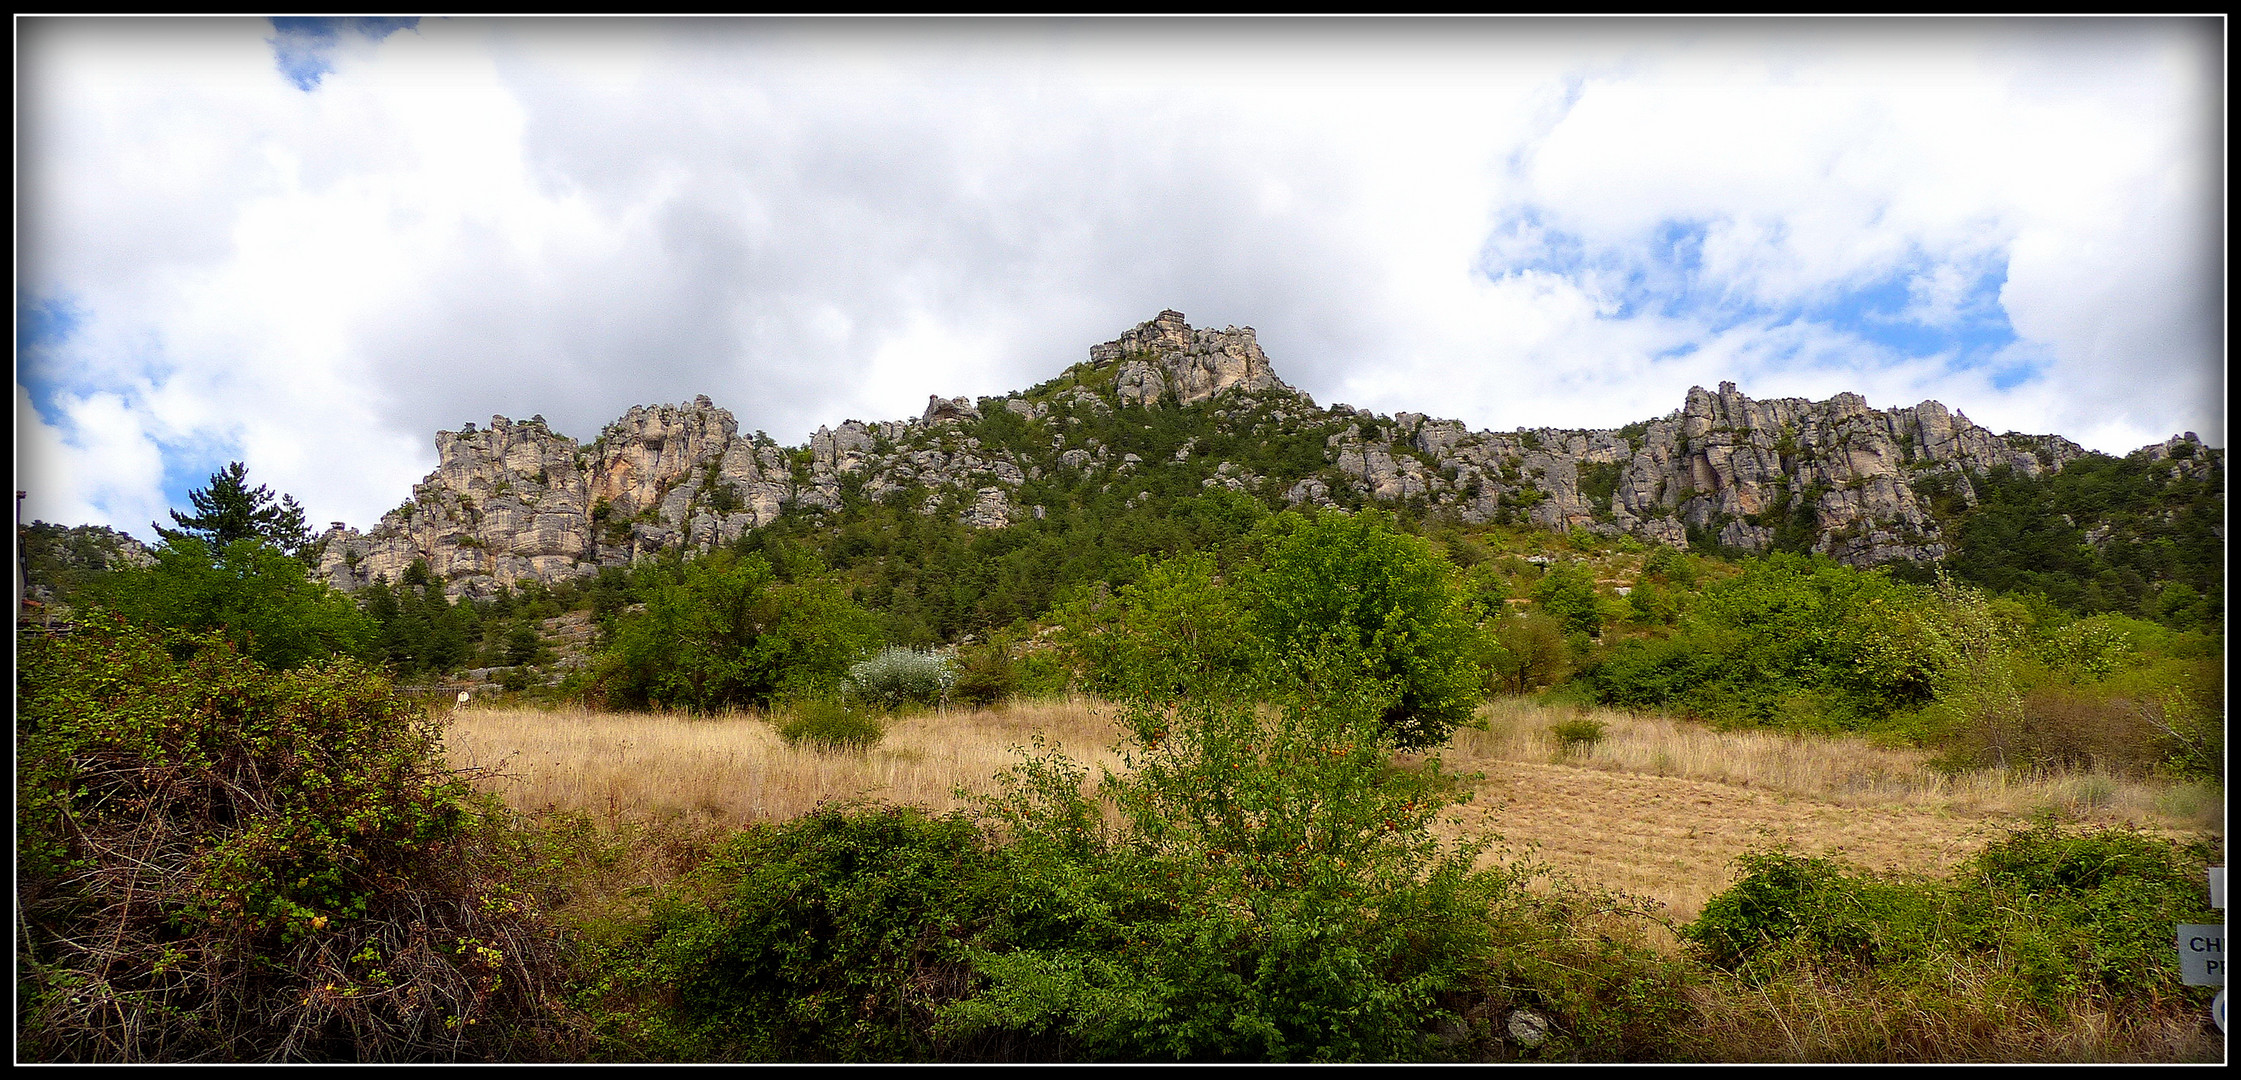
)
(517, 501)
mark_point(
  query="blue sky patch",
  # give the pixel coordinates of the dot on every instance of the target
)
(43, 326)
(303, 47)
(1921, 309)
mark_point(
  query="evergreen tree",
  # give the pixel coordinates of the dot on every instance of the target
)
(229, 510)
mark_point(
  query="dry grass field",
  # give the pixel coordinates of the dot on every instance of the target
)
(734, 768)
(1661, 808)
(1655, 808)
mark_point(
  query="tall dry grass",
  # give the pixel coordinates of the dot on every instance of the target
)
(732, 769)
(1814, 1016)
(1845, 771)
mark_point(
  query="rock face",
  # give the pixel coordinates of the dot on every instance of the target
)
(1738, 471)
(518, 502)
(1165, 359)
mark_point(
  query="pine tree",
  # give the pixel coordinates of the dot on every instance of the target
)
(229, 510)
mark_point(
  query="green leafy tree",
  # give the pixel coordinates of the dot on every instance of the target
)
(251, 593)
(1524, 651)
(1178, 629)
(229, 510)
(1793, 641)
(721, 632)
(1567, 593)
(1345, 602)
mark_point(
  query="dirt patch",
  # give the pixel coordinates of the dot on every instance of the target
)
(1675, 840)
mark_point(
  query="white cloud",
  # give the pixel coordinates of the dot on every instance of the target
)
(811, 221)
(101, 467)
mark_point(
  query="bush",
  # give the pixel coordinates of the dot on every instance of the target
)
(1179, 629)
(1261, 885)
(1522, 652)
(218, 861)
(898, 676)
(1803, 644)
(721, 632)
(832, 937)
(830, 725)
(2046, 913)
(989, 675)
(1348, 605)
(1577, 733)
(1567, 594)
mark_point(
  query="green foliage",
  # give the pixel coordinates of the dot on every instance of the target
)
(256, 596)
(67, 560)
(1567, 594)
(230, 510)
(522, 645)
(217, 860)
(1653, 604)
(1796, 642)
(827, 724)
(1578, 733)
(1269, 893)
(1179, 629)
(1523, 652)
(423, 631)
(898, 676)
(1348, 603)
(1598, 482)
(719, 632)
(1260, 884)
(2157, 550)
(2047, 913)
(831, 937)
(2191, 736)
(988, 674)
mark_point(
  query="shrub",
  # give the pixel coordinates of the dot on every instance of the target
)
(256, 595)
(1804, 642)
(2190, 735)
(830, 937)
(1349, 605)
(1578, 733)
(830, 725)
(1567, 594)
(897, 676)
(722, 632)
(2046, 913)
(1178, 629)
(988, 675)
(1262, 885)
(1522, 652)
(218, 861)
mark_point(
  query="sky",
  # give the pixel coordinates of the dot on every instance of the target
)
(309, 244)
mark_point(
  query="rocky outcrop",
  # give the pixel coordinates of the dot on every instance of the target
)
(1166, 360)
(1738, 471)
(516, 501)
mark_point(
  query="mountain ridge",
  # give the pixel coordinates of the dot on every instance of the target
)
(516, 501)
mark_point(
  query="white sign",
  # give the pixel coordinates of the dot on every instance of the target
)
(2217, 887)
(2202, 954)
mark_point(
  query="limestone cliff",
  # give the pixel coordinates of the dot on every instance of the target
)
(517, 501)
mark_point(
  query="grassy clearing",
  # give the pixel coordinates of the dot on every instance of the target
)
(1648, 807)
(1654, 807)
(1661, 808)
(1839, 771)
(735, 768)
